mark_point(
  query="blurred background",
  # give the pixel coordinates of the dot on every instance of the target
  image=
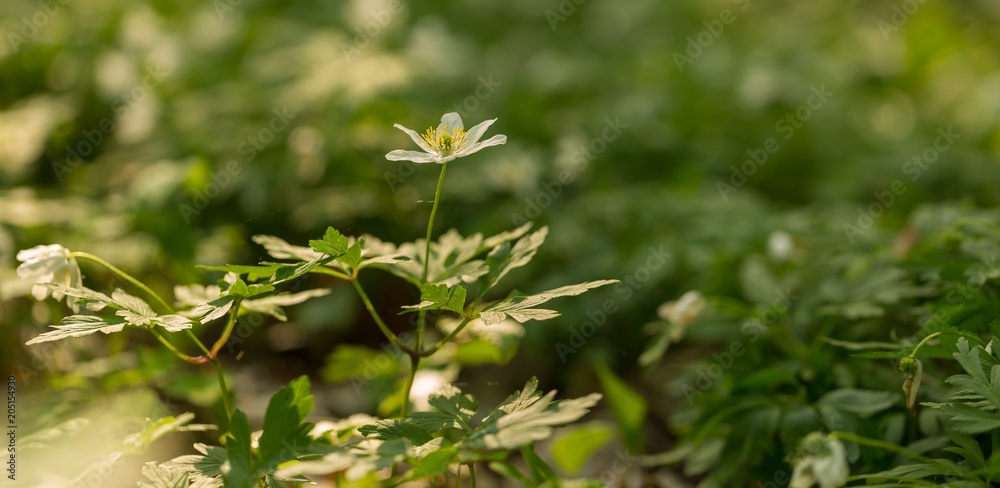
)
(161, 135)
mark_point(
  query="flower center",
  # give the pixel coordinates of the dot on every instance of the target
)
(445, 142)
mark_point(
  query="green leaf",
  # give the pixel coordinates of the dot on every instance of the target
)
(284, 432)
(521, 308)
(510, 471)
(205, 468)
(214, 309)
(451, 401)
(435, 463)
(133, 309)
(333, 243)
(164, 476)
(440, 297)
(280, 249)
(396, 429)
(540, 470)
(242, 290)
(237, 471)
(863, 403)
(572, 449)
(91, 300)
(352, 256)
(79, 326)
(504, 258)
(628, 406)
(527, 417)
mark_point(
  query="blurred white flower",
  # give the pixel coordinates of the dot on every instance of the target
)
(821, 461)
(427, 382)
(446, 143)
(48, 264)
(779, 245)
(682, 312)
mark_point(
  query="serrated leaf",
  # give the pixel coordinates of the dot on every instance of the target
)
(271, 305)
(528, 417)
(91, 300)
(333, 243)
(440, 297)
(214, 309)
(521, 308)
(280, 249)
(396, 429)
(133, 309)
(79, 326)
(504, 257)
(174, 323)
(352, 257)
(452, 402)
(164, 476)
(204, 468)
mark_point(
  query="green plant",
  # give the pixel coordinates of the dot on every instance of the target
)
(454, 276)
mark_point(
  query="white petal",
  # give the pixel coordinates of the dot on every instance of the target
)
(493, 141)
(39, 292)
(416, 137)
(477, 131)
(450, 121)
(415, 156)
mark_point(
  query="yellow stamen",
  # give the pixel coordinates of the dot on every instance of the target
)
(444, 142)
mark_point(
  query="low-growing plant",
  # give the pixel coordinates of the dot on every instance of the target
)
(454, 275)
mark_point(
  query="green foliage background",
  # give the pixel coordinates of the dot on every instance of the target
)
(554, 73)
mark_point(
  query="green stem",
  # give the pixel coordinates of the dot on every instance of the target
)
(222, 387)
(924, 341)
(378, 320)
(230, 325)
(472, 474)
(430, 222)
(125, 276)
(414, 364)
(422, 316)
(437, 347)
(163, 340)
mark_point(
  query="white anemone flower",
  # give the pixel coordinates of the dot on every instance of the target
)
(822, 461)
(449, 141)
(48, 264)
